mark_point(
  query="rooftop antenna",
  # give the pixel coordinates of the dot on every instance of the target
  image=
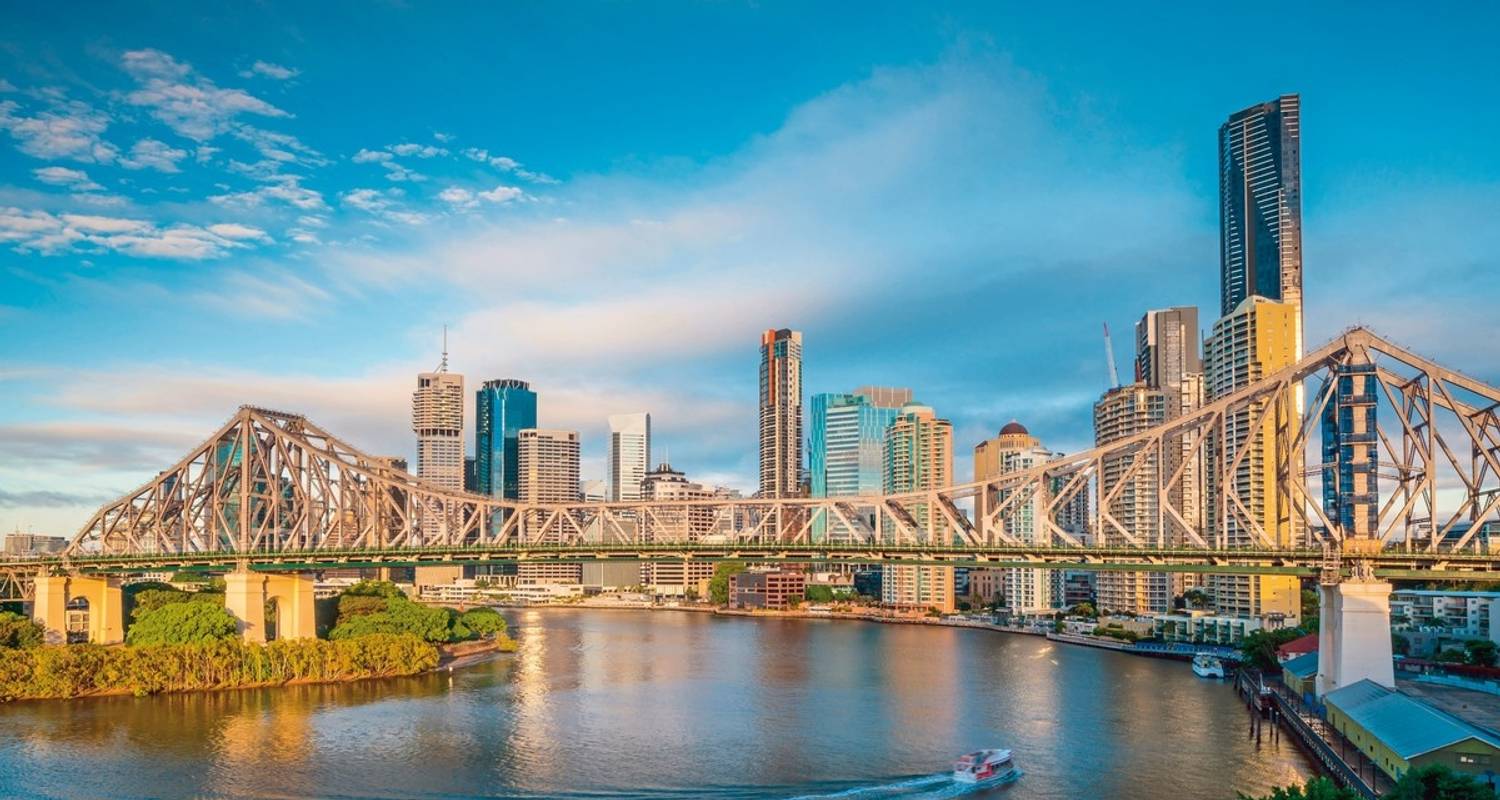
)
(443, 367)
(1109, 357)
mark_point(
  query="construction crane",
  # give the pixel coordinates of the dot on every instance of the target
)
(1109, 358)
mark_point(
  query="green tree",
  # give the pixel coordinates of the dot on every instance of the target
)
(359, 605)
(375, 589)
(159, 595)
(718, 586)
(483, 621)
(1195, 598)
(1480, 652)
(1084, 610)
(182, 623)
(1400, 645)
(1315, 789)
(402, 616)
(1310, 615)
(1437, 782)
(1259, 647)
(1451, 656)
(17, 631)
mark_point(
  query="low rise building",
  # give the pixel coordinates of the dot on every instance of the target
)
(771, 590)
(1398, 732)
(1300, 674)
(1435, 620)
(1202, 628)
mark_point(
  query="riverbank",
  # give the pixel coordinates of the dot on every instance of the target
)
(1176, 651)
(65, 672)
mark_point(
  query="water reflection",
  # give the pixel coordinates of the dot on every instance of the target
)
(679, 704)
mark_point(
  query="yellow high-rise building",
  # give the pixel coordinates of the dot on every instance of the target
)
(1258, 338)
(918, 456)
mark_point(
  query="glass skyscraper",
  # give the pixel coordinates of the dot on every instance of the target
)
(848, 434)
(502, 408)
(1260, 205)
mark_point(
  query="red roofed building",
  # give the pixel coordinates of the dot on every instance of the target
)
(1302, 645)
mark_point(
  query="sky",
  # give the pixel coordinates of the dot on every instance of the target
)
(283, 204)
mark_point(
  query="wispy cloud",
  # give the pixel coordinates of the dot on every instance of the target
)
(190, 104)
(69, 129)
(49, 234)
(75, 179)
(153, 154)
(266, 69)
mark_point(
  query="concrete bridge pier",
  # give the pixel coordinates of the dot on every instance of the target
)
(105, 601)
(1354, 633)
(246, 594)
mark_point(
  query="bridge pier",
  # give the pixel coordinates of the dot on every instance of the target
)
(1354, 634)
(246, 594)
(106, 607)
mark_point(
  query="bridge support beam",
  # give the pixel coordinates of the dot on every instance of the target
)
(106, 607)
(1354, 634)
(246, 594)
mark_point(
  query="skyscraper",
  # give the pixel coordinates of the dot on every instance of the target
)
(1027, 591)
(1255, 340)
(502, 409)
(1351, 452)
(1129, 506)
(1260, 206)
(780, 413)
(919, 455)
(547, 472)
(846, 447)
(437, 417)
(629, 455)
(1168, 358)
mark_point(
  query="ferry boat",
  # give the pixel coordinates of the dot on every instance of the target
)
(985, 766)
(1206, 665)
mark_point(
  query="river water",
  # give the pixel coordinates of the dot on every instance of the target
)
(652, 704)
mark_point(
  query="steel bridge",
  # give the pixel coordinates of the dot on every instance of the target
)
(272, 490)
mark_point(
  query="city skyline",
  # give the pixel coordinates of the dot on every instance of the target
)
(336, 347)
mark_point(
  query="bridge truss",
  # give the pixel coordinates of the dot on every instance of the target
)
(272, 486)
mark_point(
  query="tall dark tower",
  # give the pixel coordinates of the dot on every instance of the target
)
(1260, 206)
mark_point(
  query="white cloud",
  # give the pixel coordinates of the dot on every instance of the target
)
(153, 154)
(268, 70)
(286, 189)
(502, 194)
(234, 230)
(396, 172)
(382, 205)
(69, 129)
(94, 224)
(203, 153)
(311, 221)
(7, 86)
(189, 104)
(275, 146)
(366, 156)
(75, 179)
(420, 151)
(303, 236)
(443, 137)
(458, 197)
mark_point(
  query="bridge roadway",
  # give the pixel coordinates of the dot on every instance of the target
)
(1387, 564)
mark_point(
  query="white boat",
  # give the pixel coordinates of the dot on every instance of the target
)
(984, 766)
(1206, 665)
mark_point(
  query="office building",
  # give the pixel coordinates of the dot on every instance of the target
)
(628, 456)
(677, 523)
(1255, 340)
(1129, 511)
(502, 409)
(593, 491)
(547, 472)
(781, 413)
(32, 544)
(1168, 358)
(1260, 207)
(918, 456)
(769, 590)
(437, 417)
(846, 448)
(1027, 591)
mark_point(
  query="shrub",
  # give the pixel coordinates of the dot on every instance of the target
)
(151, 599)
(17, 631)
(359, 605)
(181, 623)
(375, 589)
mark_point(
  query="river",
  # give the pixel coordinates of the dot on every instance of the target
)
(651, 704)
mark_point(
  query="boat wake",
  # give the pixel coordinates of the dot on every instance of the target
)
(937, 786)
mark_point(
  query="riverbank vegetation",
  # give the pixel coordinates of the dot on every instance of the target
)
(185, 641)
(1434, 782)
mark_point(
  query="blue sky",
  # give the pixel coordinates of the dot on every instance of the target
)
(283, 204)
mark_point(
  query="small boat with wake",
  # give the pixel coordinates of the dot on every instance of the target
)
(986, 767)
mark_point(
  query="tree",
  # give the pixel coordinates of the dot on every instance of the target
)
(182, 623)
(17, 631)
(1084, 610)
(384, 589)
(358, 605)
(718, 586)
(1437, 782)
(1310, 614)
(1480, 652)
(1451, 656)
(1315, 789)
(483, 621)
(1259, 647)
(403, 616)
(1400, 645)
(1195, 598)
(157, 595)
